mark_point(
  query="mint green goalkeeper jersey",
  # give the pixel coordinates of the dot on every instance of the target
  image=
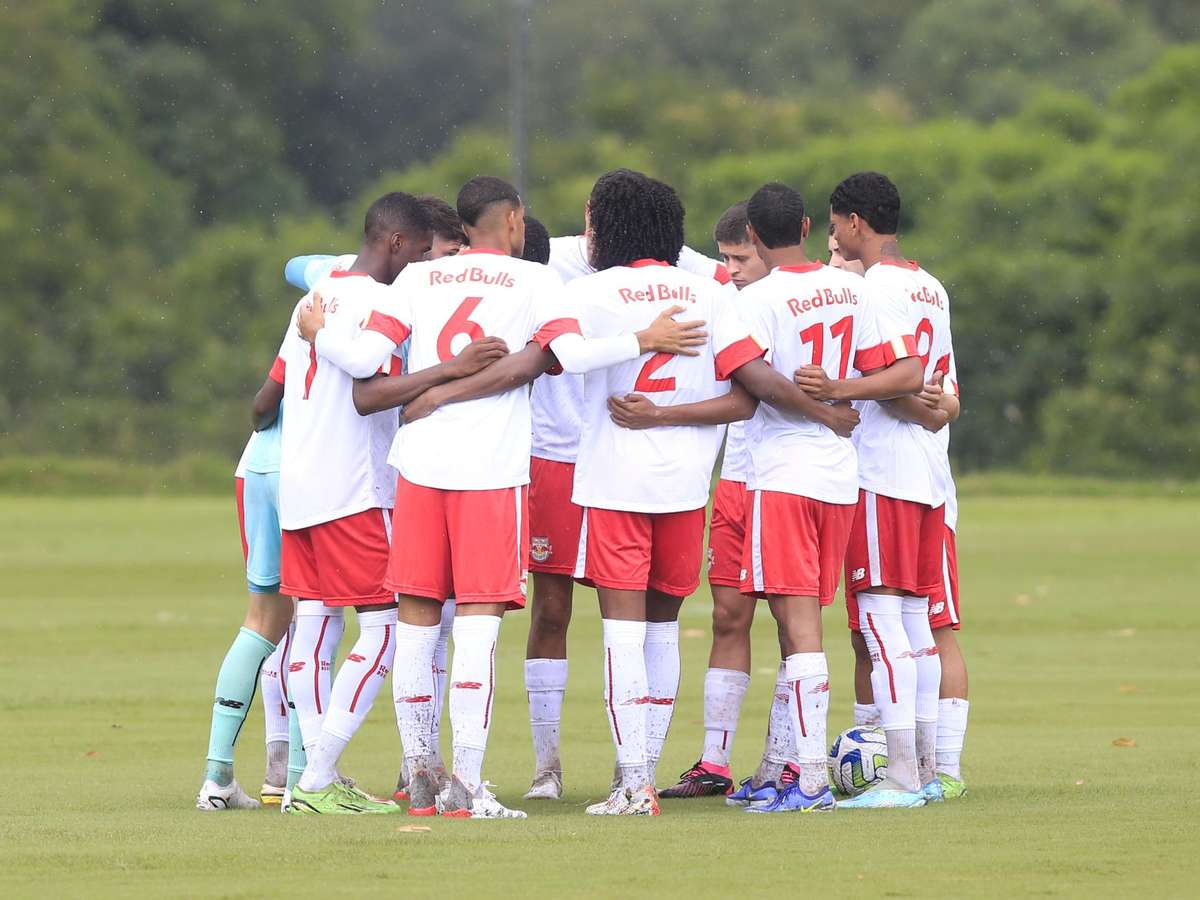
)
(262, 450)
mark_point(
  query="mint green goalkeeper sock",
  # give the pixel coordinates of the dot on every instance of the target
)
(236, 683)
(297, 758)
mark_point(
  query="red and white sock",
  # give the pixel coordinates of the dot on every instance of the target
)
(915, 615)
(275, 710)
(780, 748)
(310, 664)
(951, 732)
(441, 672)
(894, 683)
(625, 697)
(414, 691)
(808, 682)
(545, 684)
(354, 691)
(661, 652)
(472, 687)
(723, 693)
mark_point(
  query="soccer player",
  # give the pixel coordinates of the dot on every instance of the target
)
(461, 498)
(555, 523)
(894, 561)
(267, 618)
(837, 260)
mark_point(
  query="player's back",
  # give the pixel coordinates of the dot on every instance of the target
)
(656, 469)
(809, 314)
(333, 461)
(449, 302)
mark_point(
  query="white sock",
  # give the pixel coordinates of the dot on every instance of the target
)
(779, 749)
(723, 693)
(866, 714)
(915, 617)
(354, 691)
(414, 691)
(310, 669)
(624, 687)
(662, 683)
(545, 683)
(472, 687)
(893, 681)
(951, 732)
(808, 681)
(441, 669)
(275, 710)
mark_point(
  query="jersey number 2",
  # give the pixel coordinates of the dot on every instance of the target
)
(459, 323)
(647, 384)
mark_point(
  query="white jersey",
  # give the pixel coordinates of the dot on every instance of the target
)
(896, 458)
(557, 403)
(814, 314)
(737, 457)
(667, 469)
(447, 303)
(334, 461)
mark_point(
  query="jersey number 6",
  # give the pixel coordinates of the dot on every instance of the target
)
(459, 323)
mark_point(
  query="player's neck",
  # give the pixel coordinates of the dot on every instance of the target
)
(884, 247)
(483, 239)
(784, 256)
(372, 263)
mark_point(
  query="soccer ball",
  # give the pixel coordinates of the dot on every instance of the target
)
(858, 759)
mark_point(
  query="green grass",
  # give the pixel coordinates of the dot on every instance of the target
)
(1081, 620)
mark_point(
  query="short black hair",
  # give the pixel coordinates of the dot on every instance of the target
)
(731, 227)
(872, 197)
(633, 217)
(396, 212)
(480, 193)
(776, 212)
(446, 222)
(537, 241)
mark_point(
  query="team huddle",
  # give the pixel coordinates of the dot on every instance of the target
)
(466, 400)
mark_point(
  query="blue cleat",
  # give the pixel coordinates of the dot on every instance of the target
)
(748, 795)
(933, 792)
(792, 799)
(884, 798)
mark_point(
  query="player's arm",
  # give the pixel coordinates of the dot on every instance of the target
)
(578, 354)
(512, 371)
(382, 392)
(899, 379)
(636, 411)
(265, 408)
(359, 355)
(305, 271)
(933, 408)
(768, 386)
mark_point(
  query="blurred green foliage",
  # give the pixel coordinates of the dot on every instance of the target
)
(161, 161)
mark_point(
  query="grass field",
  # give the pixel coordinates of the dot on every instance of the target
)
(1081, 615)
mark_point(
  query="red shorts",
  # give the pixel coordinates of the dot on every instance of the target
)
(631, 551)
(795, 546)
(341, 563)
(726, 534)
(893, 543)
(473, 545)
(554, 521)
(943, 602)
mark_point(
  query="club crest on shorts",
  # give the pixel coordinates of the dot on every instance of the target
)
(540, 549)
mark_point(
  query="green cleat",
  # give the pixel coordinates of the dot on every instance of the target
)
(337, 800)
(952, 788)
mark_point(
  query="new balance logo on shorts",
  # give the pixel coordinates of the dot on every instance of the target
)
(858, 574)
(936, 609)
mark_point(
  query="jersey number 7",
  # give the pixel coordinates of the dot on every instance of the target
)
(459, 323)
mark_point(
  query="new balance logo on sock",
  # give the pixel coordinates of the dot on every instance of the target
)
(356, 657)
(927, 651)
(232, 704)
(822, 688)
(419, 698)
(296, 667)
(467, 685)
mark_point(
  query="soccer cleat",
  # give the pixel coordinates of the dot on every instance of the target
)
(270, 795)
(704, 779)
(337, 800)
(422, 794)
(214, 798)
(622, 802)
(750, 795)
(933, 792)
(613, 806)
(884, 798)
(952, 788)
(792, 799)
(401, 792)
(546, 786)
(484, 805)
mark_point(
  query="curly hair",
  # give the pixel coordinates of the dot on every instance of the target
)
(777, 213)
(872, 197)
(537, 241)
(633, 217)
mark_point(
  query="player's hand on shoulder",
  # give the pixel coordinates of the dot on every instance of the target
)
(633, 411)
(665, 335)
(814, 381)
(841, 419)
(311, 317)
(478, 355)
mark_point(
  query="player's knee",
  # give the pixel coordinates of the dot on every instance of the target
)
(550, 620)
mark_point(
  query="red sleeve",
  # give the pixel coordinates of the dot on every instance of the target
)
(555, 328)
(737, 355)
(721, 276)
(949, 385)
(882, 355)
(278, 369)
(389, 326)
(394, 366)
